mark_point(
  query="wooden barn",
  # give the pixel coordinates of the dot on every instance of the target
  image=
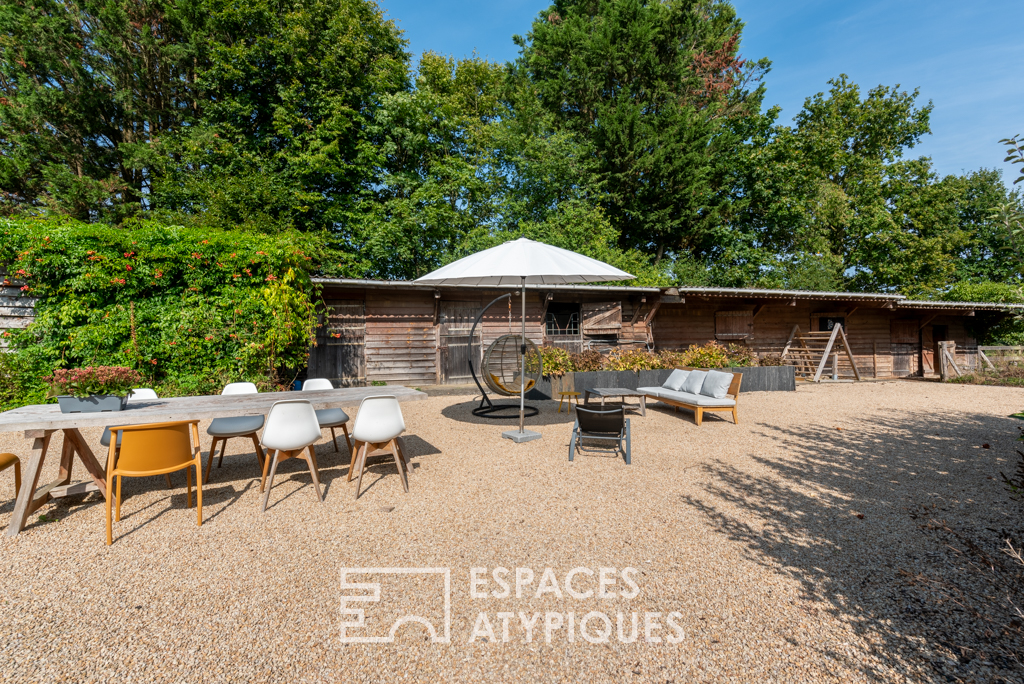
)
(400, 332)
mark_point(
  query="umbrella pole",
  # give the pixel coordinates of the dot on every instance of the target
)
(522, 369)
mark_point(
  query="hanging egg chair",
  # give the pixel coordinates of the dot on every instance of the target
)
(502, 370)
(502, 365)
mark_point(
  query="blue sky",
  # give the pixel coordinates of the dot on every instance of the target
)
(967, 57)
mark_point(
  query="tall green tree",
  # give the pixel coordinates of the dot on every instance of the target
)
(650, 87)
(85, 88)
(289, 94)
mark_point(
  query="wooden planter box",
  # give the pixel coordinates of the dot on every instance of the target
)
(755, 379)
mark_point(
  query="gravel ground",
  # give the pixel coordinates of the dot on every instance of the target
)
(825, 538)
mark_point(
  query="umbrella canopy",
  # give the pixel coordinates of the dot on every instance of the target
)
(510, 263)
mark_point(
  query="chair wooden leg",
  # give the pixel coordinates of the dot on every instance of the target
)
(167, 476)
(273, 470)
(109, 502)
(266, 464)
(118, 504)
(259, 450)
(698, 414)
(735, 419)
(188, 488)
(314, 471)
(223, 448)
(361, 466)
(401, 453)
(209, 462)
(352, 461)
(334, 438)
(17, 479)
(348, 441)
(398, 464)
(199, 490)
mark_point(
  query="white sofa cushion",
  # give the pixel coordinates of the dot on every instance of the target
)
(676, 380)
(716, 384)
(694, 399)
(651, 391)
(694, 381)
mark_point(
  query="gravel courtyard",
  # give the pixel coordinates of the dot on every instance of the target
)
(838, 533)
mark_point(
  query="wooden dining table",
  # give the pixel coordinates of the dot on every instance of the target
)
(39, 422)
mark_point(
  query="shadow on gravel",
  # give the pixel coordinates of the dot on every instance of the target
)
(844, 515)
(549, 415)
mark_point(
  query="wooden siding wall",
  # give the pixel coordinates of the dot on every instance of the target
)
(16, 310)
(677, 326)
(400, 338)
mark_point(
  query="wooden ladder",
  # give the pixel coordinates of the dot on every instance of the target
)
(814, 353)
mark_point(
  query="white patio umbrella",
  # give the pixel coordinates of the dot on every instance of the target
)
(521, 262)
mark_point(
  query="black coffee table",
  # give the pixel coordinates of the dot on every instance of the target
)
(616, 393)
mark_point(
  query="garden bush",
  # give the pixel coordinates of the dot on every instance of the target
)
(556, 361)
(190, 309)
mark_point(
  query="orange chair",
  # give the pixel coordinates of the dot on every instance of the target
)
(8, 460)
(154, 449)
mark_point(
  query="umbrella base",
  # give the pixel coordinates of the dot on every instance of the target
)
(520, 437)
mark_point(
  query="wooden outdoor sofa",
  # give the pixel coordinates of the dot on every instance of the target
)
(718, 397)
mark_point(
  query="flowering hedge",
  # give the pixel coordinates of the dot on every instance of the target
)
(190, 309)
(83, 382)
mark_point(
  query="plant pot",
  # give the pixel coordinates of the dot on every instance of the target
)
(94, 403)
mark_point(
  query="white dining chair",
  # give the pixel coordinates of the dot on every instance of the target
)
(329, 417)
(291, 429)
(223, 429)
(378, 425)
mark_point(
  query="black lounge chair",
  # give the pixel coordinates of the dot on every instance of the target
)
(608, 426)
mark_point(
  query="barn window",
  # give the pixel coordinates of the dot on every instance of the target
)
(734, 325)
(603, 318)
(562, 319)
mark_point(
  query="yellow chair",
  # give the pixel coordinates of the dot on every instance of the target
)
(8, 460)
(154, 449)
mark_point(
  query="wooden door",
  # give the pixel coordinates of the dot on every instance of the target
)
(454, 345)
(928, 350)
(905, 346)
(340, 351)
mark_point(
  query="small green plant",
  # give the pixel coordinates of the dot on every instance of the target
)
(83, 382)
(555, 361)
(378, 383)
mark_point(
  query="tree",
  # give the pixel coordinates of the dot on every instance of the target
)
(649, 87)
(85, 88)
(288, 97)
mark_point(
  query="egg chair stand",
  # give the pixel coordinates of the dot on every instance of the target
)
(487, 408)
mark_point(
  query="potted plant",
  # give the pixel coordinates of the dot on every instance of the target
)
(93, 389)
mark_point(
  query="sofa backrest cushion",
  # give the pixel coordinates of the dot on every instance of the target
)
(694, 381)
(716, 384)
(676, 380)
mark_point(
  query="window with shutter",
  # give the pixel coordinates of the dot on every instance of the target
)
(734, 325)
(604, 318)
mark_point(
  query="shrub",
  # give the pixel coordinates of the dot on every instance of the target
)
(555, 361)
(740, 355)
(710, 355)
(189, 309)
(82, 382)
(633, 360)
(771, 360)
(589, 360)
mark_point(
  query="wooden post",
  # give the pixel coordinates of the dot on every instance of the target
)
(947, 360)
(874, 359)
(835, 365)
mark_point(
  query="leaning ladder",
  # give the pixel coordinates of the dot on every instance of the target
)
(810, 353)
